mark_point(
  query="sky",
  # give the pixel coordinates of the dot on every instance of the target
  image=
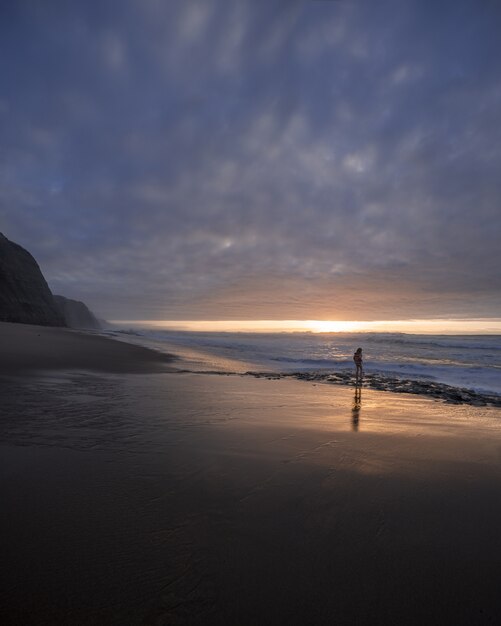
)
(256, 159)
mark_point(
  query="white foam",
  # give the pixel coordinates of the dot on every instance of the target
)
(462, 361)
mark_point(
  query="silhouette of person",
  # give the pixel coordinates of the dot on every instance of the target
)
(357, 357)
(357, 405)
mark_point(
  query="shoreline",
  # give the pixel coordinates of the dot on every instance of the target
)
(192, 359)
(238, 498)
(375, 382)
(31, 349)
(379, 382)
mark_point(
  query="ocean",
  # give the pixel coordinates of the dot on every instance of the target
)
(463, 361)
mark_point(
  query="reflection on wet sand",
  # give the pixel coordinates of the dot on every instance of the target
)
(357, 405)
(204, 500)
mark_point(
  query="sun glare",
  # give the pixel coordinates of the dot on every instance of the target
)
(318, 326)
(442, 326)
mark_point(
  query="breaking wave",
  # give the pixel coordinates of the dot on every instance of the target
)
(466, 361)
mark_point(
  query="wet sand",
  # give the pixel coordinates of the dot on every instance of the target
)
(429, 388)
(27, 348)
(207, 500)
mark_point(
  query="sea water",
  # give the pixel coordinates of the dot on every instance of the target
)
(471, 361)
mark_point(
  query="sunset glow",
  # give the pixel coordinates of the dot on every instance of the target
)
(436, 326)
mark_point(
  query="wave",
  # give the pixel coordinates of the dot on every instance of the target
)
(402, 339)
(467, 361)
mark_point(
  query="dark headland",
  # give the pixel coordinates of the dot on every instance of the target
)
(26, 298)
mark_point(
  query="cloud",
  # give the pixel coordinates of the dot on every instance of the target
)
(259, 159)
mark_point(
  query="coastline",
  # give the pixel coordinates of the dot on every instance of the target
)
(27, 348)
(195, 499)
(379, 382)
(193, 360)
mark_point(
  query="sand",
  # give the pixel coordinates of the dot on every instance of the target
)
(193, 499)
(27, 348)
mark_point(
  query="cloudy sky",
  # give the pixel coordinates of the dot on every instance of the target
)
(256, 159)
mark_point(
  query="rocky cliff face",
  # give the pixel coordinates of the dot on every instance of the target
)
(76, 314)
(25, 296)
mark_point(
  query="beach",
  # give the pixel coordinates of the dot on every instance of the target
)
(134, 493)
(28, 348)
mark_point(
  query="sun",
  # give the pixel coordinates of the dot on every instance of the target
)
(319, 326)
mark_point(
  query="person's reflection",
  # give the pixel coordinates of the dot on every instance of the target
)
(357, 405)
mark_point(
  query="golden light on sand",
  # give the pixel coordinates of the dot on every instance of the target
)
(436, 326)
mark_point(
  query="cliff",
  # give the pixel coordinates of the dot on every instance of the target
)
(25, 296)
(76, 314)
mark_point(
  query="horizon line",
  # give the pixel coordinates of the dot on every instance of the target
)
(481, 326)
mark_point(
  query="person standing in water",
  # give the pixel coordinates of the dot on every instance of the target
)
(357, 357)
